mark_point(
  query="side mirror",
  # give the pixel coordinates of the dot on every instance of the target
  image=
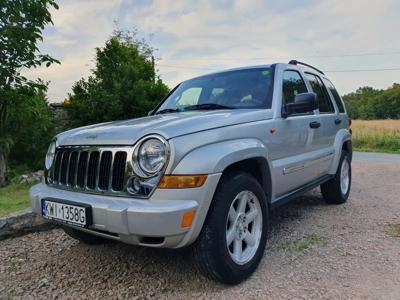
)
(150, 112)
(303, 103)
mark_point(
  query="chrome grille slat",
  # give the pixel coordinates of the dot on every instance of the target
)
(86, 170)
(100, 170)
(111, 171)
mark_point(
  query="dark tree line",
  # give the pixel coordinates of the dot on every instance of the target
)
(369, 103)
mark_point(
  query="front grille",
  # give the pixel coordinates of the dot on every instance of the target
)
(93, 169)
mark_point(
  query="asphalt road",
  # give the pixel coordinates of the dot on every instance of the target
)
(377, 158)
(315, 251)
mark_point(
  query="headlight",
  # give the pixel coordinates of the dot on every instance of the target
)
(150, 156)
(50, 155)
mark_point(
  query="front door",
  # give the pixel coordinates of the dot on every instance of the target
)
(294, 144)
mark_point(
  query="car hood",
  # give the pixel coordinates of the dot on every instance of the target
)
(168, 125)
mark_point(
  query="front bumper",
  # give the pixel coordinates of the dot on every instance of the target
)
(152, 222)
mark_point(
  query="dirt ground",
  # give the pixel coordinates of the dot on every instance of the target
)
(315, 251)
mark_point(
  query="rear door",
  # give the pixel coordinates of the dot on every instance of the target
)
(340, 108)
(327, 117)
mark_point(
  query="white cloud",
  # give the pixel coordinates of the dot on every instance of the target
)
(194, 36)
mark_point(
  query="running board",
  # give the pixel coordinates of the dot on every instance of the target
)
(299, 191)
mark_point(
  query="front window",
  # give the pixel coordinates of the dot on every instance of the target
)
(249, 88)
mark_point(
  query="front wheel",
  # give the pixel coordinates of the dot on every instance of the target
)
(337, 190)
(233, 238)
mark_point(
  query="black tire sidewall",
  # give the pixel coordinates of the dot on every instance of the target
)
(345, 156)
(224, 196)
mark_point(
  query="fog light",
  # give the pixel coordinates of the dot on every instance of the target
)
(134, 185)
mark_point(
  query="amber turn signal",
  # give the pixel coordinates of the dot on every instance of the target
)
(187, 219)
(182, 181)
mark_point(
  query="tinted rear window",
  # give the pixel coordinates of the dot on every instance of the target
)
(324, 102)
(335, 95)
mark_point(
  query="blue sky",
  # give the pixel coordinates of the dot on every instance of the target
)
(196, 37)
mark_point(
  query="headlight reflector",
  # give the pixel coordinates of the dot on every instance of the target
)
(151, 156)
(50, 155)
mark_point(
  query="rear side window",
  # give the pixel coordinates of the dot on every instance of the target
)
(292, 85)
(324, 102)
(335, 95)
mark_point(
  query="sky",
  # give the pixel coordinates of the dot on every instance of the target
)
(198, 37)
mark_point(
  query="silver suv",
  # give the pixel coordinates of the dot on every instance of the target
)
(205, 168)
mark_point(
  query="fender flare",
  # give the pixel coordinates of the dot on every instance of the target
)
(342, 136)
(216, 157)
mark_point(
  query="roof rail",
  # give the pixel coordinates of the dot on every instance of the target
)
(296, 62)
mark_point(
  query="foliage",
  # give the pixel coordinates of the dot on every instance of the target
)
(368, 103)
(31, 125)
(123, 84)
(21, 25)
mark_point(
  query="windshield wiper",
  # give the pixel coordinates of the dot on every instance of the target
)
(168, 110)
(206, 106)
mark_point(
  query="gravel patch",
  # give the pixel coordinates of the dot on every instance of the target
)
(315, 251)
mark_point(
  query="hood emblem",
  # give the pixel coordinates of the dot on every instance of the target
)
(91, 137)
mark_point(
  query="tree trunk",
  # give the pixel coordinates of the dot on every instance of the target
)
(2, 169)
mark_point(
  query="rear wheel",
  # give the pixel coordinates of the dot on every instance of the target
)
(233, 238)
(337, 190)
(84, 237)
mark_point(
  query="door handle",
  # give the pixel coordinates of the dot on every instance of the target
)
(338, 121)
(315, 124)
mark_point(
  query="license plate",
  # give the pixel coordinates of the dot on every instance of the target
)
(67, 212)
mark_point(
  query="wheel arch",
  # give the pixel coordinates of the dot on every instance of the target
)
(257, 167)
(342, 142)
(249, 155)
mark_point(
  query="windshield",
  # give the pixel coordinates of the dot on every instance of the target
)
(248, 88)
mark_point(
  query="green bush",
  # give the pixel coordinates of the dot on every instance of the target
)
(123, 85)
(31, 125)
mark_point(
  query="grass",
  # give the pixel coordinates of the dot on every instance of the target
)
(392, 230)
(13, 197)
(305, 243)
(376, 135)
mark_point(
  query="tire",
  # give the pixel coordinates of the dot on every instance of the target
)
(336, 191)
(211, 253)
(86, 238)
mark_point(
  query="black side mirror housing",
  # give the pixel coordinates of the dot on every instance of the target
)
(303, 103)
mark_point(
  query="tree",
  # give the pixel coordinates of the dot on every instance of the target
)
(21, 25)
(369, 103)
(31, 125)
(123, 84)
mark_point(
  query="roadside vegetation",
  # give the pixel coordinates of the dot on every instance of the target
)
(14, 197)
(367, 103)
(376, 135)
(304, 244)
